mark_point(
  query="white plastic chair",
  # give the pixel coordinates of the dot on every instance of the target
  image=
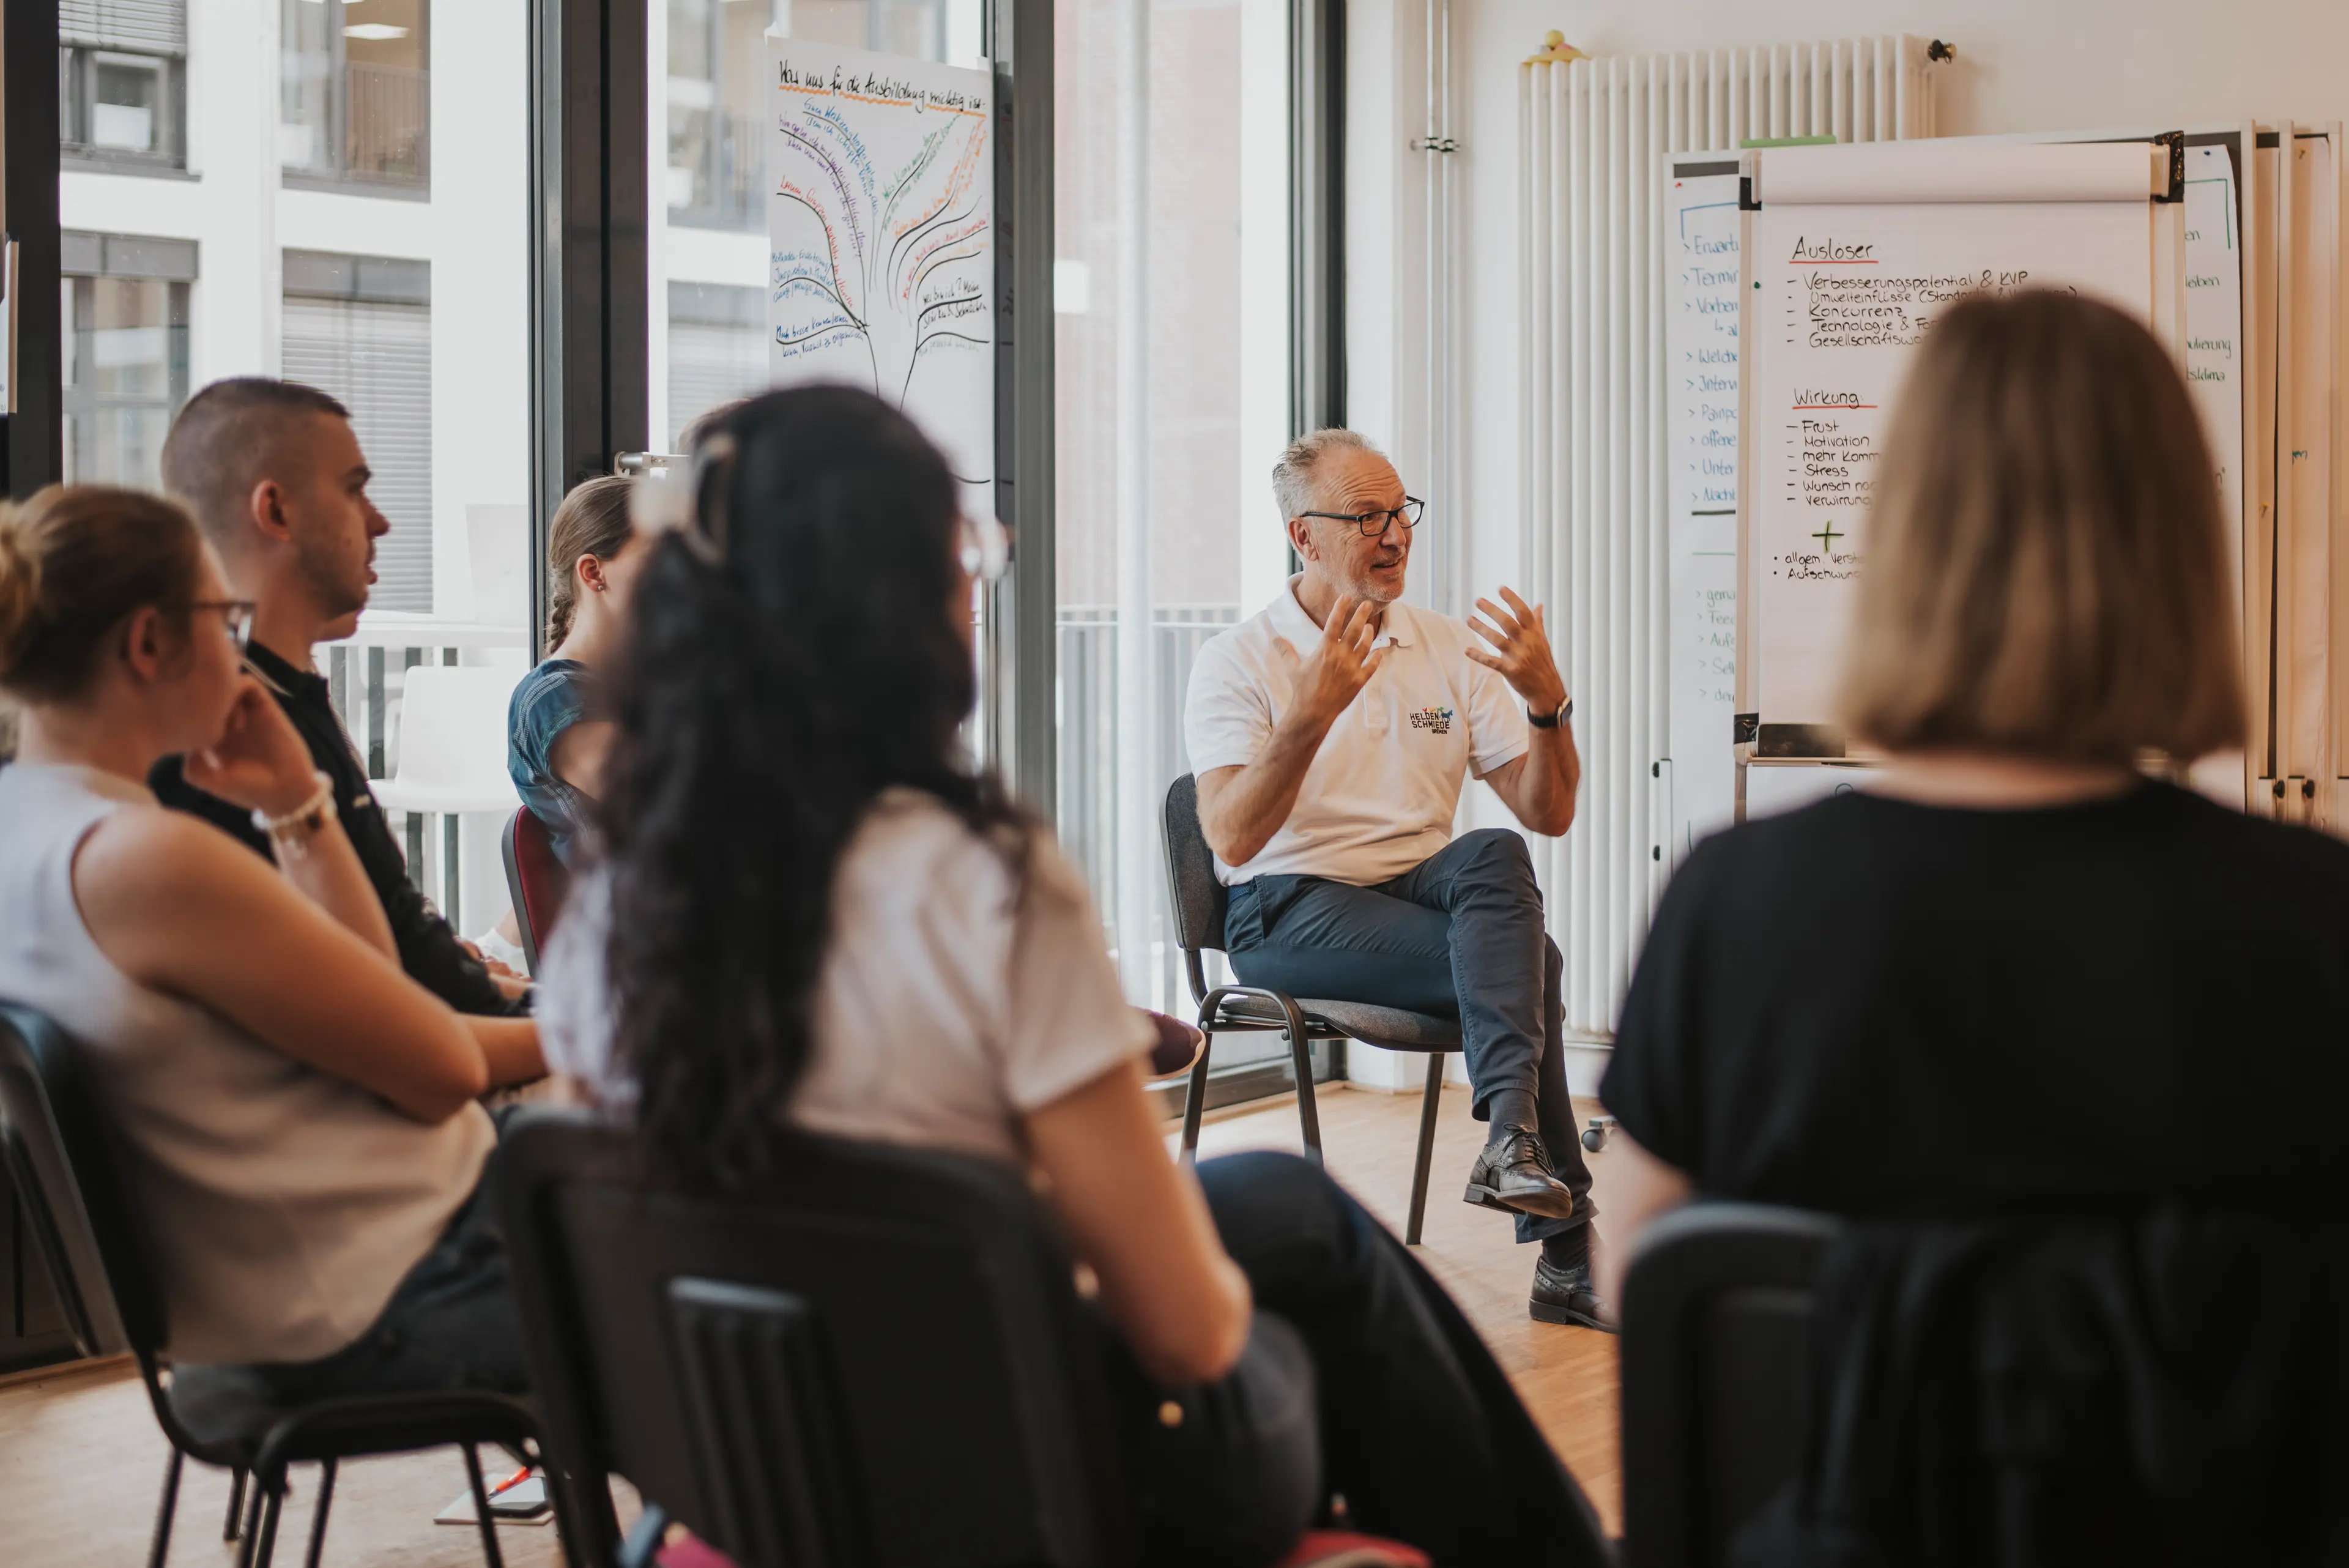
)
(452, 741)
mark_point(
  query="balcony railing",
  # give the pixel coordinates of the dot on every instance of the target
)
(456, 867)
(387, 112)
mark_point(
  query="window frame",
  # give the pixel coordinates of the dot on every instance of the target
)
(141, 258)
(340, 176)
(78, 67)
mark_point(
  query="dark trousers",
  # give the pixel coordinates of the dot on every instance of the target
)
(1458, 935)
(451, 1324)
(1417, 1426)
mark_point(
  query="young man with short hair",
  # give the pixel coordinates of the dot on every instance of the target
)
(273, 473)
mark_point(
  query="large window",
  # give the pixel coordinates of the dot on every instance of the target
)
(124, 300)
(331, 253)
(1171, 289)
(123, 82)
(356, 92)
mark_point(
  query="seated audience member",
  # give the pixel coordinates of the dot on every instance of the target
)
(1332, 732)
(815, 912)
(2016, 975)
(557, 733)
(300, 1118)
(274, 475)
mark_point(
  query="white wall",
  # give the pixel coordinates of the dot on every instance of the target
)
(2021, 65)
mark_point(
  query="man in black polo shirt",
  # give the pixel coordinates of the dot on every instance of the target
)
(274, 476)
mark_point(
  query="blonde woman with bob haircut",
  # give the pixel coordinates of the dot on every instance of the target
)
(1995, 981)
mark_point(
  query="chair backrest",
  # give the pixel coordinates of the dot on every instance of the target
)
(1716, 1386)
(453, 728)
(1199, 896)
(875, 1359)
(537, 880)
(62, 1161)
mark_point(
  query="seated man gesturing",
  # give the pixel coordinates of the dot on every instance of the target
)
(1331, 733)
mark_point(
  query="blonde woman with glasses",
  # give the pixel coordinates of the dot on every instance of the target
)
(299, 1119)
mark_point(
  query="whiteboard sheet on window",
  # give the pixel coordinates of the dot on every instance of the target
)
(880, 229)
(1701, 353)
(1846, 290)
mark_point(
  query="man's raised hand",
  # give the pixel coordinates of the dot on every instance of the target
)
(1521, 652)
(1341, 664)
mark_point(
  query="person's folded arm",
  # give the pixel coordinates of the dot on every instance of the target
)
(510, 1048)
(1141, 1225)
(183, 908)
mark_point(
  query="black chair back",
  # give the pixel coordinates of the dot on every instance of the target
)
(874, 1359)
(1198, 897)
(62, 1159)
(1716, 1361)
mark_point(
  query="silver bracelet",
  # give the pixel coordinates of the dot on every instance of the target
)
(310, 817)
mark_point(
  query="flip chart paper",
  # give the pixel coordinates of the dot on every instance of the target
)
(1700, 375)
(1846, 293)
(881, 226)
(1871, 173)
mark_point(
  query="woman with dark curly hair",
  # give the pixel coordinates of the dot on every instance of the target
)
(815, 912)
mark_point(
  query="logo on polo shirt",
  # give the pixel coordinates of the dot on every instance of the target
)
(1436, 718)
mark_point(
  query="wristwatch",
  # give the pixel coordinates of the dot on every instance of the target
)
(1551, 720)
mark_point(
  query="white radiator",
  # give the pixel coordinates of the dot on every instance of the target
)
(1592, 138)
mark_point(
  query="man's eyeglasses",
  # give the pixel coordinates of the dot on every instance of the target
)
(1373, 523)
(236, 613)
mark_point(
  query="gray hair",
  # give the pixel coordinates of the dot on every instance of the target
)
(1292, 476)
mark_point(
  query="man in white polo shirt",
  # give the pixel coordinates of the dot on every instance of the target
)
(1331, 734)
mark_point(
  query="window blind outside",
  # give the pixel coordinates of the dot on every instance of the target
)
(717, 348)
(151, 27)
(377, 358)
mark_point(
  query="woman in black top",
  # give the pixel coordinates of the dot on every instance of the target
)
(2019, 973)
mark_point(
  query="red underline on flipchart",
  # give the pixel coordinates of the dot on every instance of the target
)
(1833, 264)
(1833, 405)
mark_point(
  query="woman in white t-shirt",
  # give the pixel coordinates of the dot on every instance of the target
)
(815, 912)
(298, 1118)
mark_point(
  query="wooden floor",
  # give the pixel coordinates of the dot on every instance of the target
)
(81, 1462)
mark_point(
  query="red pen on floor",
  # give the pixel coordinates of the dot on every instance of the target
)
(511, 1482)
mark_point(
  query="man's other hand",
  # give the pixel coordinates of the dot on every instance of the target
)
(1521, 652)
(1341, 664)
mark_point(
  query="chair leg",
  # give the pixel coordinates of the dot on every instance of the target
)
(1195, 1099)
(482, 1519)
(1428, 1106)
(229, 1525)
(165, 1509)
(250, 1533)
(261, 1539)
(1308, 1114)
(318, 1520)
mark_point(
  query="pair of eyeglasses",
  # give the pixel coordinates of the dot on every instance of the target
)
(1375, 523)
(237, 614)
(983, 545)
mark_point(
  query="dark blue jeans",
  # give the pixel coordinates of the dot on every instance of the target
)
(1418, 1427)
(1458, 935)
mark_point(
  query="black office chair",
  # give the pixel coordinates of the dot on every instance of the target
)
(61, 1157)
(874, 1358)
(1200, 899)
(1716, 1382)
